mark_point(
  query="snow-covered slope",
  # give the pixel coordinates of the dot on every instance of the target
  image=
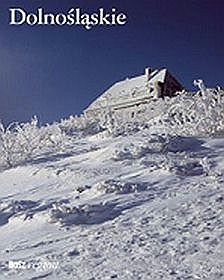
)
(132, 208)
(140, 205)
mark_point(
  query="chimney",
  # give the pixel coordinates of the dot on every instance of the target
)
(148, 71)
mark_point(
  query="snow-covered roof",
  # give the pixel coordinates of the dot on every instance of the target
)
(123, 90)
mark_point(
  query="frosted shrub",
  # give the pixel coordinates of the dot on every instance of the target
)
(187, 114)
(80, 126)
(108, 121)
(7, 144)
(118, 187)
(124, 128)
(200, 84)
(194, 115)
(20, 142)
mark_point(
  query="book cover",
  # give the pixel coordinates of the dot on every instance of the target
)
(111, 139)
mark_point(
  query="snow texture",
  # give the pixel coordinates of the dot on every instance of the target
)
(129, 196)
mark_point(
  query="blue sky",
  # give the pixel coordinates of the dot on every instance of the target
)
(54, 72)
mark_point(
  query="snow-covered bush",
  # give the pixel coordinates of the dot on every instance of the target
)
(195, 115)
(53, 138)
(200, 84)
(68, 215)
(107, 120)
(18, 142)
(118, 187)
(186, 113)
(80, 126)
(21, 142)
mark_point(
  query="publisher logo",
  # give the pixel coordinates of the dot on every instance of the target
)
(40, 265)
